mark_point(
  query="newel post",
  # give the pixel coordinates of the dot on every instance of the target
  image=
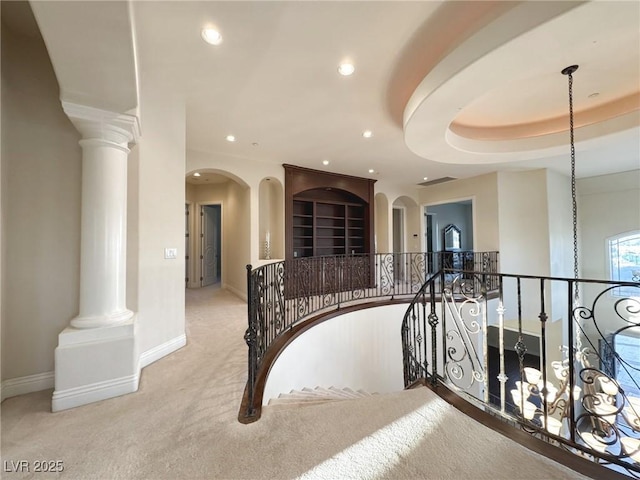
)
(250, 337)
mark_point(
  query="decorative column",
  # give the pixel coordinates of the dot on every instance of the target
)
(105, 139)
(97, 355)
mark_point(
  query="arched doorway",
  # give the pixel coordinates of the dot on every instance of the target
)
(217, 233)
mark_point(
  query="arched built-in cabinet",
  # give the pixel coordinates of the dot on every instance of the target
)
(327, 214)
(329, 231)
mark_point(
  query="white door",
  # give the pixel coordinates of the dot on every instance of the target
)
(210, 244)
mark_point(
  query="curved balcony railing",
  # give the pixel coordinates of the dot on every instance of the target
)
(282, 295)
(566, 368)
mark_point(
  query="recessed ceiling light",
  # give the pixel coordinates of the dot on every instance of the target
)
(371, 170)
(196, 174)
(211, 36)
(367, 134)
(325, 162)
(425, 178)
(230, 138)
(346, 69)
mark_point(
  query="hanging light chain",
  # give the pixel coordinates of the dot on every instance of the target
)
(569, 71)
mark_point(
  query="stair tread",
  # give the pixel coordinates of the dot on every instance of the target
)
(343, 392)
(298, 394)
(320, 392)
(300, 404)
(296, 401)
(317, 395)
(355, 393)
(368, 394)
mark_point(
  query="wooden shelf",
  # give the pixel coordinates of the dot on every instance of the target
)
(327, 227)
(328, 214)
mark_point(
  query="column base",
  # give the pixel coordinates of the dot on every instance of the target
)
(98, 321)
(95, 364)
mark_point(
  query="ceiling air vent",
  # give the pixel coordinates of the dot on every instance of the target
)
(436, 181)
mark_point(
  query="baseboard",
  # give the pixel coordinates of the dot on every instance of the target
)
(156, 353)
(75, 397)
(238, 293)
(90, 393)
(22, 385)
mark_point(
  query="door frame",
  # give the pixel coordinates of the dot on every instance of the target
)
(399, 264)
(430, 243)
(190, 271)
(474, 214)
(198, 243)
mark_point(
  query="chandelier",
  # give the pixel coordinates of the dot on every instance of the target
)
(597, 403)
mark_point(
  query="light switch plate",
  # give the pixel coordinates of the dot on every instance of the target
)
(170, 253)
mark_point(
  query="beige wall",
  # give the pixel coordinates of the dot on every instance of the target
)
(608, 205)
(133, 241)
(386, 196)
(271, 218)
(235, 201)
(383, 226)
(41, 174)
(523, 220)
(276, 207)
(237, 246)
(484, 192)
(161, 197)
(248, 174)
(412, 227)
(560, 214)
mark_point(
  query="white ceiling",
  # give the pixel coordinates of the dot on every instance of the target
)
(492, 69)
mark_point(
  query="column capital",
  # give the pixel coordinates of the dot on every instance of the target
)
(95, 123)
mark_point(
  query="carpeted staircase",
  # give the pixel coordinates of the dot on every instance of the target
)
(317, 395)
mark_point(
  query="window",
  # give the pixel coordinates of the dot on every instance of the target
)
(624, 261)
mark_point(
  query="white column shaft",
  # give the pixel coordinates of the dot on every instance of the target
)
(103, 244)
(104, 234)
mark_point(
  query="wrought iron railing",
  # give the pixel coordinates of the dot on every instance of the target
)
(283, 294)
(570, 373)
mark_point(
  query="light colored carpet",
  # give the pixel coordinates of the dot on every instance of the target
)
(182, 424)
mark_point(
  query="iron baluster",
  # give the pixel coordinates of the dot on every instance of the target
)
(502, 377)
(433, 322)
(520, 347)
(543, 353)
(485, 345)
